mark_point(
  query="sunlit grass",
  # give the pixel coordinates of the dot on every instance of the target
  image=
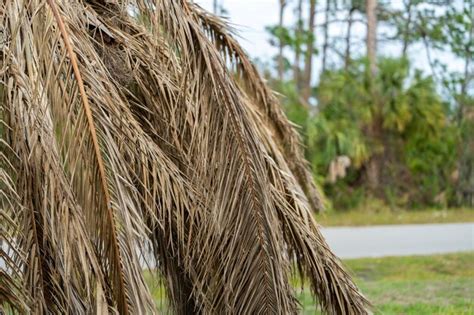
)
(383, 215)
(438, 284)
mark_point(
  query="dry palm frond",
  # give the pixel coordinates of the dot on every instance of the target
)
(122, 139)
(264, 100)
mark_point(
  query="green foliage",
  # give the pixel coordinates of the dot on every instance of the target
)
(295, 38)
(343, 111)
(297, 113)
(416, 129)
(418, 137)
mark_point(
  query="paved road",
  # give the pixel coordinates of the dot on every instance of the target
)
(397, 240)
(400, 240)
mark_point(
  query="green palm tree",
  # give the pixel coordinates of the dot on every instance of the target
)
(123, 144)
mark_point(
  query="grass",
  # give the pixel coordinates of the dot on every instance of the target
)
(439, 284)
(383, 215)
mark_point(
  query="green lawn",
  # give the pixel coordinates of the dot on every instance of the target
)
(383, 215)
(440, 284)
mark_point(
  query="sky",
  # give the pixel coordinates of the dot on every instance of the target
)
(250, 17)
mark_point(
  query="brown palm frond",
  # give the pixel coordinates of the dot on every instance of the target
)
(11, 256)
(307, 247)
(122, 139)
(264, 100)
(50, 258)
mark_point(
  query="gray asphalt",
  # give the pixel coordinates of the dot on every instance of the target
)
(394, 240)
(400, 240)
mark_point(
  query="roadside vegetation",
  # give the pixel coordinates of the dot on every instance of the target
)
(377, 125)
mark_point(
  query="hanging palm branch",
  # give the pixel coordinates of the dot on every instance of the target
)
(130, 130)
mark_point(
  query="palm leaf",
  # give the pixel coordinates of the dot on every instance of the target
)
(125, 139)
(264, 100)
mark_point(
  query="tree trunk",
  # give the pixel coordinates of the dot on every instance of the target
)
(326, 34)
(406, 34)
(371, 11)
(298, 34)
(465, 186)
(281, 65)
(374, 131)
(347, 55)
(308, 65)
(467, 72)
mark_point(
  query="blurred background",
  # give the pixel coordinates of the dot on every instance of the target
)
(382, 93)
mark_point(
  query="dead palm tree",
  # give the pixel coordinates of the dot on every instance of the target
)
(120, 142)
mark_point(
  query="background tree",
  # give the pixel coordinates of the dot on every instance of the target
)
(371, 39)
(327, 12)
(308, 60)
(281, 44)
(383, 112)
(298, 36)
